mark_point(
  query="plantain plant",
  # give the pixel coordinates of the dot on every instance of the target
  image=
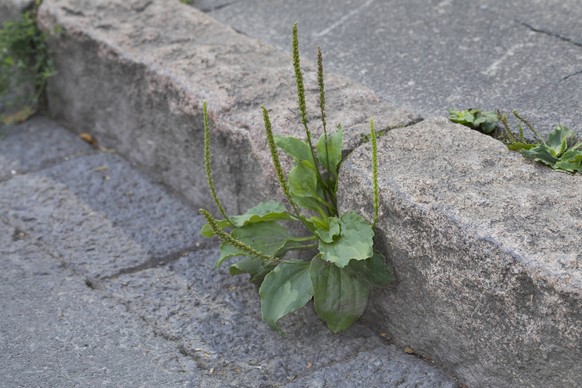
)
(559, 150)
(24, 61)
(336, 264)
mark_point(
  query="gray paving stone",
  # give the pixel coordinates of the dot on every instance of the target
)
(159, 222)
(36, 144)
(57, 332)
(429, 57)
(385, 366)
(216, 318)
(80, 236)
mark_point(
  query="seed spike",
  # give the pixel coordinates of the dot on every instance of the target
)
(207, 163)
(375, 172)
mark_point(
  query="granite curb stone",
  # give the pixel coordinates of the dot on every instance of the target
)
(487, 249)
(149, 77)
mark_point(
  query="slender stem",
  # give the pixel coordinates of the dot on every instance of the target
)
(529, 126)
(227, 238)
(207, 164)
(375, 172)
(307, 238)
(503, 119)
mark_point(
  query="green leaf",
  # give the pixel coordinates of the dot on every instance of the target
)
(303, 186)
(328, 234)
(465, 117)
(354, 243)
(571, 160)
(518, 146)
(284, 290)
(486, 121)
(333, 154)
(263, 212)
(207, 231)
(297, 149)
(557, 140)
(540, 153)
(374, 270)
(339, 296)
(254, 266)
(266, 237)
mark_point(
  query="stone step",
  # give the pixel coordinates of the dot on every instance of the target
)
(134, 73)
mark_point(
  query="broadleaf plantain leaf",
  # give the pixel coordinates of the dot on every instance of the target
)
(284, 290)
(340, 297)
(354, 242)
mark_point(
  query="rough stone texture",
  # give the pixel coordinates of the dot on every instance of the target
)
(83, 238)
(216, 320)
(37, 144)
(487, 251)
(383, 367)
(134, 73)
(436, 55)
(55, 331)
(158, 222)
(97, 214)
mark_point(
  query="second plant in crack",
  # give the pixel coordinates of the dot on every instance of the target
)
(346, 265)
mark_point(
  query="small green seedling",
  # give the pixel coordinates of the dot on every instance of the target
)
(483, 121)
(24, 58)
(558, 151)
(345, 265)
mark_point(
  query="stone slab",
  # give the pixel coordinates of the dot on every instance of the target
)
(70, 229)
(55, 331)
(216, 320)
(429, 57)
(137, 81)
(36, 144)
(382, 367)
(146, 212)
(487, 250)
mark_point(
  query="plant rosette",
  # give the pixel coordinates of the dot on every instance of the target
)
(559, 150)
(345, 266)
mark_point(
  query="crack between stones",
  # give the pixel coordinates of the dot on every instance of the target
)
(215, 8)
(382, 132)
(572, 75)
(158, 261)
(549, 33)
(349, 357)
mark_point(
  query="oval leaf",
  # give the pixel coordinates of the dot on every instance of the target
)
(264, 211)
(329, 153)
(339, 296)
(266, 237)
(297, 149)
(354, 243)
(284, 290)
(374, 270)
